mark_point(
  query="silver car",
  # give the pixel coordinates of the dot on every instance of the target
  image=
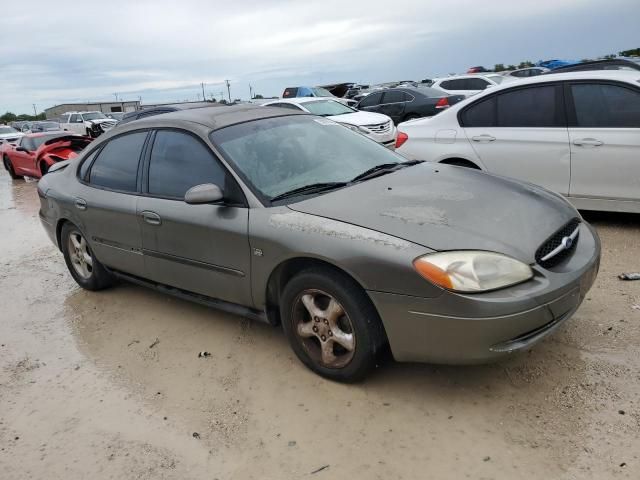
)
(291, 219)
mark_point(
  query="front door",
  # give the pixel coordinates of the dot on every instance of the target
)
(604, 133)
(23, 157)
(521, 133)
(198, 248)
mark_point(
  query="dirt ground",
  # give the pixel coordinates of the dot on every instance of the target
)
(109, 385)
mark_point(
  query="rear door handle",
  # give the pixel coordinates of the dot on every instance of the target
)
(483, 138)
(81, 204)
(588, 142)
(151, 218)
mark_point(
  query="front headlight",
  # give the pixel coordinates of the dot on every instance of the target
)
(472, 271)
(356, 128)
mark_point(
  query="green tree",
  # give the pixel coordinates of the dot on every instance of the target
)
(258, 96)
(634, 52)
(512, 67)
(498, 67)
(8, 117)
(525, 64)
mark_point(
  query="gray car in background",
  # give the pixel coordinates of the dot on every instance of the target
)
(291, 219)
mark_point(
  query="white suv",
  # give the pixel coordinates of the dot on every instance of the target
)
(467, 85)
(376, 126)
(577, 134)
(91, 124)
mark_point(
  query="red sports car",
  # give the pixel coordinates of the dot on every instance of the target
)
(33, 154)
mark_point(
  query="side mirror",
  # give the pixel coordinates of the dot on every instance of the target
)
(22, 149)
(205, 193)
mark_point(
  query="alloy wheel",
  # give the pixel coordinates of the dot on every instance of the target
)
(80, 255)
(323, 327)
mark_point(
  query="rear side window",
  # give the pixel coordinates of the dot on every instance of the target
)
(178, 162)
(606, 106)
(453, 85)
(480, 114)
(394, 96)
(116, 167)
(529, 107)
(86, 163)
(371, 100)
(475, 84)
(290, 92)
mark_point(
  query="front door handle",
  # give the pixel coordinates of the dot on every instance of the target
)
(81, 204)
(588, 142)
(483, 138)
(151, 218)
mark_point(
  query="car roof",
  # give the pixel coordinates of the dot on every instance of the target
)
(216, 118)
(624, 75)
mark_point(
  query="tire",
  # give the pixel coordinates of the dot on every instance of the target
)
(9, 166)
(44, 168)
(411, 116)
(85, 269)
(344, 316)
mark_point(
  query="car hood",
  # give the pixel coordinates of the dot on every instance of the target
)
(12, 135)
(360, 118)
(449, 208)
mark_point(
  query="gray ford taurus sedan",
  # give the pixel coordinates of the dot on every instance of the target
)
(293, 219)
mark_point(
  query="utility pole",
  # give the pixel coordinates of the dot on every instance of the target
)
(116, 95)
(35, 113)
(250, 92)
(228, 89)
(204, 99)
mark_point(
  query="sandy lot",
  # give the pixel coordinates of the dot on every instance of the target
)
(109, 385)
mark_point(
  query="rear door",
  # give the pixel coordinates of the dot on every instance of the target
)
(393, 104)
(371, 103)
(106, 202)
(198, 248)
(522, 133)
(604, 133)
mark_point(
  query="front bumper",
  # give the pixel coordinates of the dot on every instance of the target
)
(459, 329)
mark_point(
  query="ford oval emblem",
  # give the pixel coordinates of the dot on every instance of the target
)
(567, 242)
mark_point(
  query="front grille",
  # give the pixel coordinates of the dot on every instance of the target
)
(554, 242)
(379, 127)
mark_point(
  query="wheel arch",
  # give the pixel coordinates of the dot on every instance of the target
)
(461, 162)
(59, 226)
(285, 271)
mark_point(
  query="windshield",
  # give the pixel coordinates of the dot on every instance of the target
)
(5, 130)
(93, 115)
(321, 92)
(325, 108)
(276, 155)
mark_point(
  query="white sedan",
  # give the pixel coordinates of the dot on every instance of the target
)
(577, 134)
(376, 126)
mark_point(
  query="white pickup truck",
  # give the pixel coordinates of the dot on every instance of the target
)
(91, 124)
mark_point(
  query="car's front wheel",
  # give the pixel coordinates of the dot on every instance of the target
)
(331, 324)
(84, 267)
(9, 166)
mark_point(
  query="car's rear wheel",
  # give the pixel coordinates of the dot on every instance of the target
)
(9, 166)
(44, 168)
(84, 267)
(331, 324)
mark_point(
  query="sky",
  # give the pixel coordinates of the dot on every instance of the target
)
(161, 51)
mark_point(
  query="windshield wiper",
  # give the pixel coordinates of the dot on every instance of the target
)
(382, 169)
(312, 188)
